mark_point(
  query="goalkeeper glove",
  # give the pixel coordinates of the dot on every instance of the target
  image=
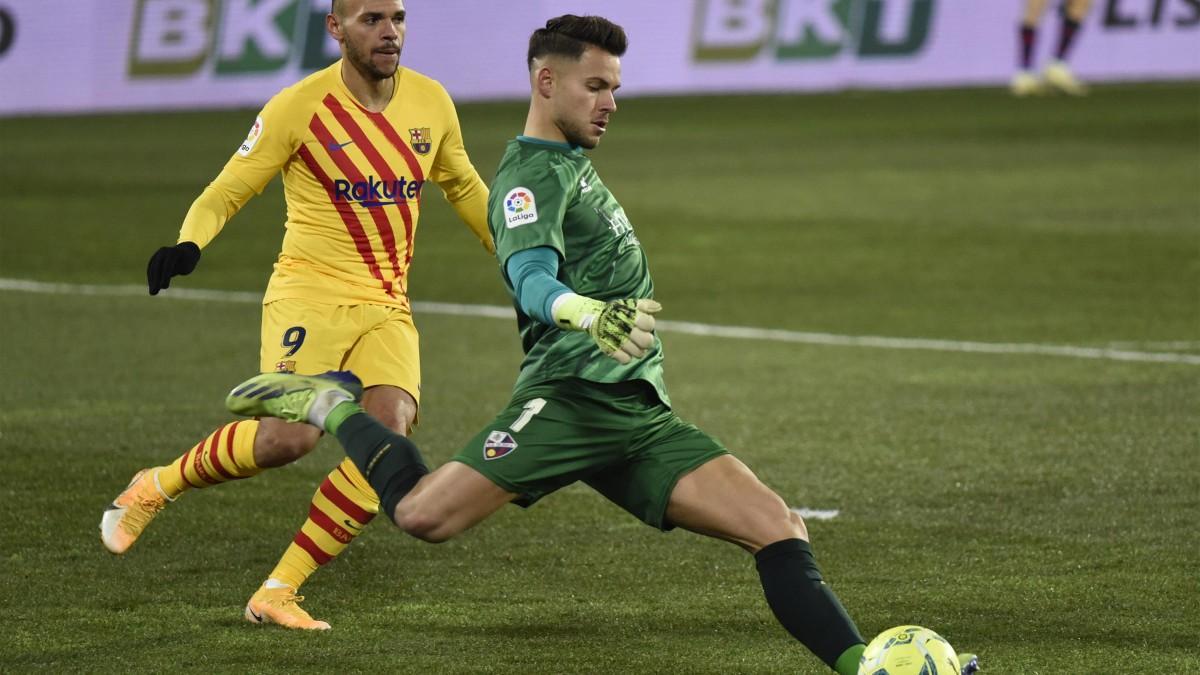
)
(623, 329)
(170, 261)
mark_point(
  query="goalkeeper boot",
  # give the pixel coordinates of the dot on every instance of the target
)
(132, 510)
(281, 606)
(1058, 76)
(294, 398)
(969, 663)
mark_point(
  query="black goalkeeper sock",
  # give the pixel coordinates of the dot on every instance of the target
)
(802, 602)
(389, 461)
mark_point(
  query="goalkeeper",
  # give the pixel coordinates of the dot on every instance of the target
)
(589, 403)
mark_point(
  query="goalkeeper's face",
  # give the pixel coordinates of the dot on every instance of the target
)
(582, 95)
(371, 34)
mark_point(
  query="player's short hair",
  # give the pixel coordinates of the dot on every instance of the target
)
(569, 35)
(337, 7)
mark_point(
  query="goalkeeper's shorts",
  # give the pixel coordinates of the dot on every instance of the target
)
(380, 344)
(617, 438)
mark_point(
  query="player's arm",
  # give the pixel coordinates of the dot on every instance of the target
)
(623, 329)
(465, 190)
(224, 197)
(261, 156)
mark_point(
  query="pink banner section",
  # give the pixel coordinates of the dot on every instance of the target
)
(173, 54)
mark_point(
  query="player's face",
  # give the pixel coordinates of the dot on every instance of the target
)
(371, 34)
(583, 96)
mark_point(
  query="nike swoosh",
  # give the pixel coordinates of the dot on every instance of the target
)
(351, 525)
(256, 615)
(338, 146)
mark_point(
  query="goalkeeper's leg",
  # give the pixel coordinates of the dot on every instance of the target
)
(724, 499)
(430, 506)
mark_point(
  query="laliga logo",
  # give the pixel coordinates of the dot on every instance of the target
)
(518, 202)
(519, 207)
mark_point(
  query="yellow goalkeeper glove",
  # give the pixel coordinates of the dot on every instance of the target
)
(623, 329)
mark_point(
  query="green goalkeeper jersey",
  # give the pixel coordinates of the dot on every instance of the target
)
(548, 194)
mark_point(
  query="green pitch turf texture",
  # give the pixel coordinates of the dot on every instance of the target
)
(1039, 510)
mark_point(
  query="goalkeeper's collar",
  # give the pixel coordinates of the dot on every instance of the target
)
(566, 147)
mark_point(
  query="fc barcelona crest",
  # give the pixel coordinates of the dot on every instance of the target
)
(421, 140)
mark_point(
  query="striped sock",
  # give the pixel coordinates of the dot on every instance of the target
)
(227, 454)
(340, 509)
(1066, 37)
(1028, 37)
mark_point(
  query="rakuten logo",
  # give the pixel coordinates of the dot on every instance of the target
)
(373, 193)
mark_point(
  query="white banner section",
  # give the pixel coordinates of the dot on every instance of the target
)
(103, 55)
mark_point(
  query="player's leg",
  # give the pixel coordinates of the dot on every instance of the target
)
(1025, 82)
(1057, 73)
(677, 475)
(555, 450)
(224, 455)
(1032, 11)
(722, 498)
(344, 503)
(447, 502)
(758, 518)
(544, 439)
(339, 511)
(393, 466)
(381, 345)
(235, 450)
(1073, 14)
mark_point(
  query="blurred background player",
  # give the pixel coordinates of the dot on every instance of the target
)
(1056, 76)
(356, 143)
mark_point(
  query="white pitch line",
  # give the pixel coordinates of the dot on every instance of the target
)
(687, 327)
(926, 344)
(816, 514)
(1171, 345)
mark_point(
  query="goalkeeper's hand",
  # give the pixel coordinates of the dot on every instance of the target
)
(623, 329)
(170, 261)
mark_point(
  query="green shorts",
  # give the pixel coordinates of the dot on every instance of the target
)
(618, 438)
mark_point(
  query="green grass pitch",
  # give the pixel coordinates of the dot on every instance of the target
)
(1039, 510)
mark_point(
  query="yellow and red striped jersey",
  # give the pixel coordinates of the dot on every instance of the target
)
(353, 181)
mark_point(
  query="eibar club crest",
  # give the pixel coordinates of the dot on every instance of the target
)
(498, 444)
(421, 140)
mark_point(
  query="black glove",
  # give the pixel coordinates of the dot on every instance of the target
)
(170, 261)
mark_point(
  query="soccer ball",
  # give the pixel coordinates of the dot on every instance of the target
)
(909, 650)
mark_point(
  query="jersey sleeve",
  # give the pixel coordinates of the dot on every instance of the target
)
(529, 208)
(224, 197)
(453, 172)
(268, 146)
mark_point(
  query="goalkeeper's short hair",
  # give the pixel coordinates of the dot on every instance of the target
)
(569, 35)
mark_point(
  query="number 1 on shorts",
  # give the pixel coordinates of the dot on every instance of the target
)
(532, 408)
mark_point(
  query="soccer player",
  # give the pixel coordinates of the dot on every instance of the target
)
(356, 143)
(590, 403)
(1056, 76)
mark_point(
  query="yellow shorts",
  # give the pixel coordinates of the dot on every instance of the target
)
(378, 343)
